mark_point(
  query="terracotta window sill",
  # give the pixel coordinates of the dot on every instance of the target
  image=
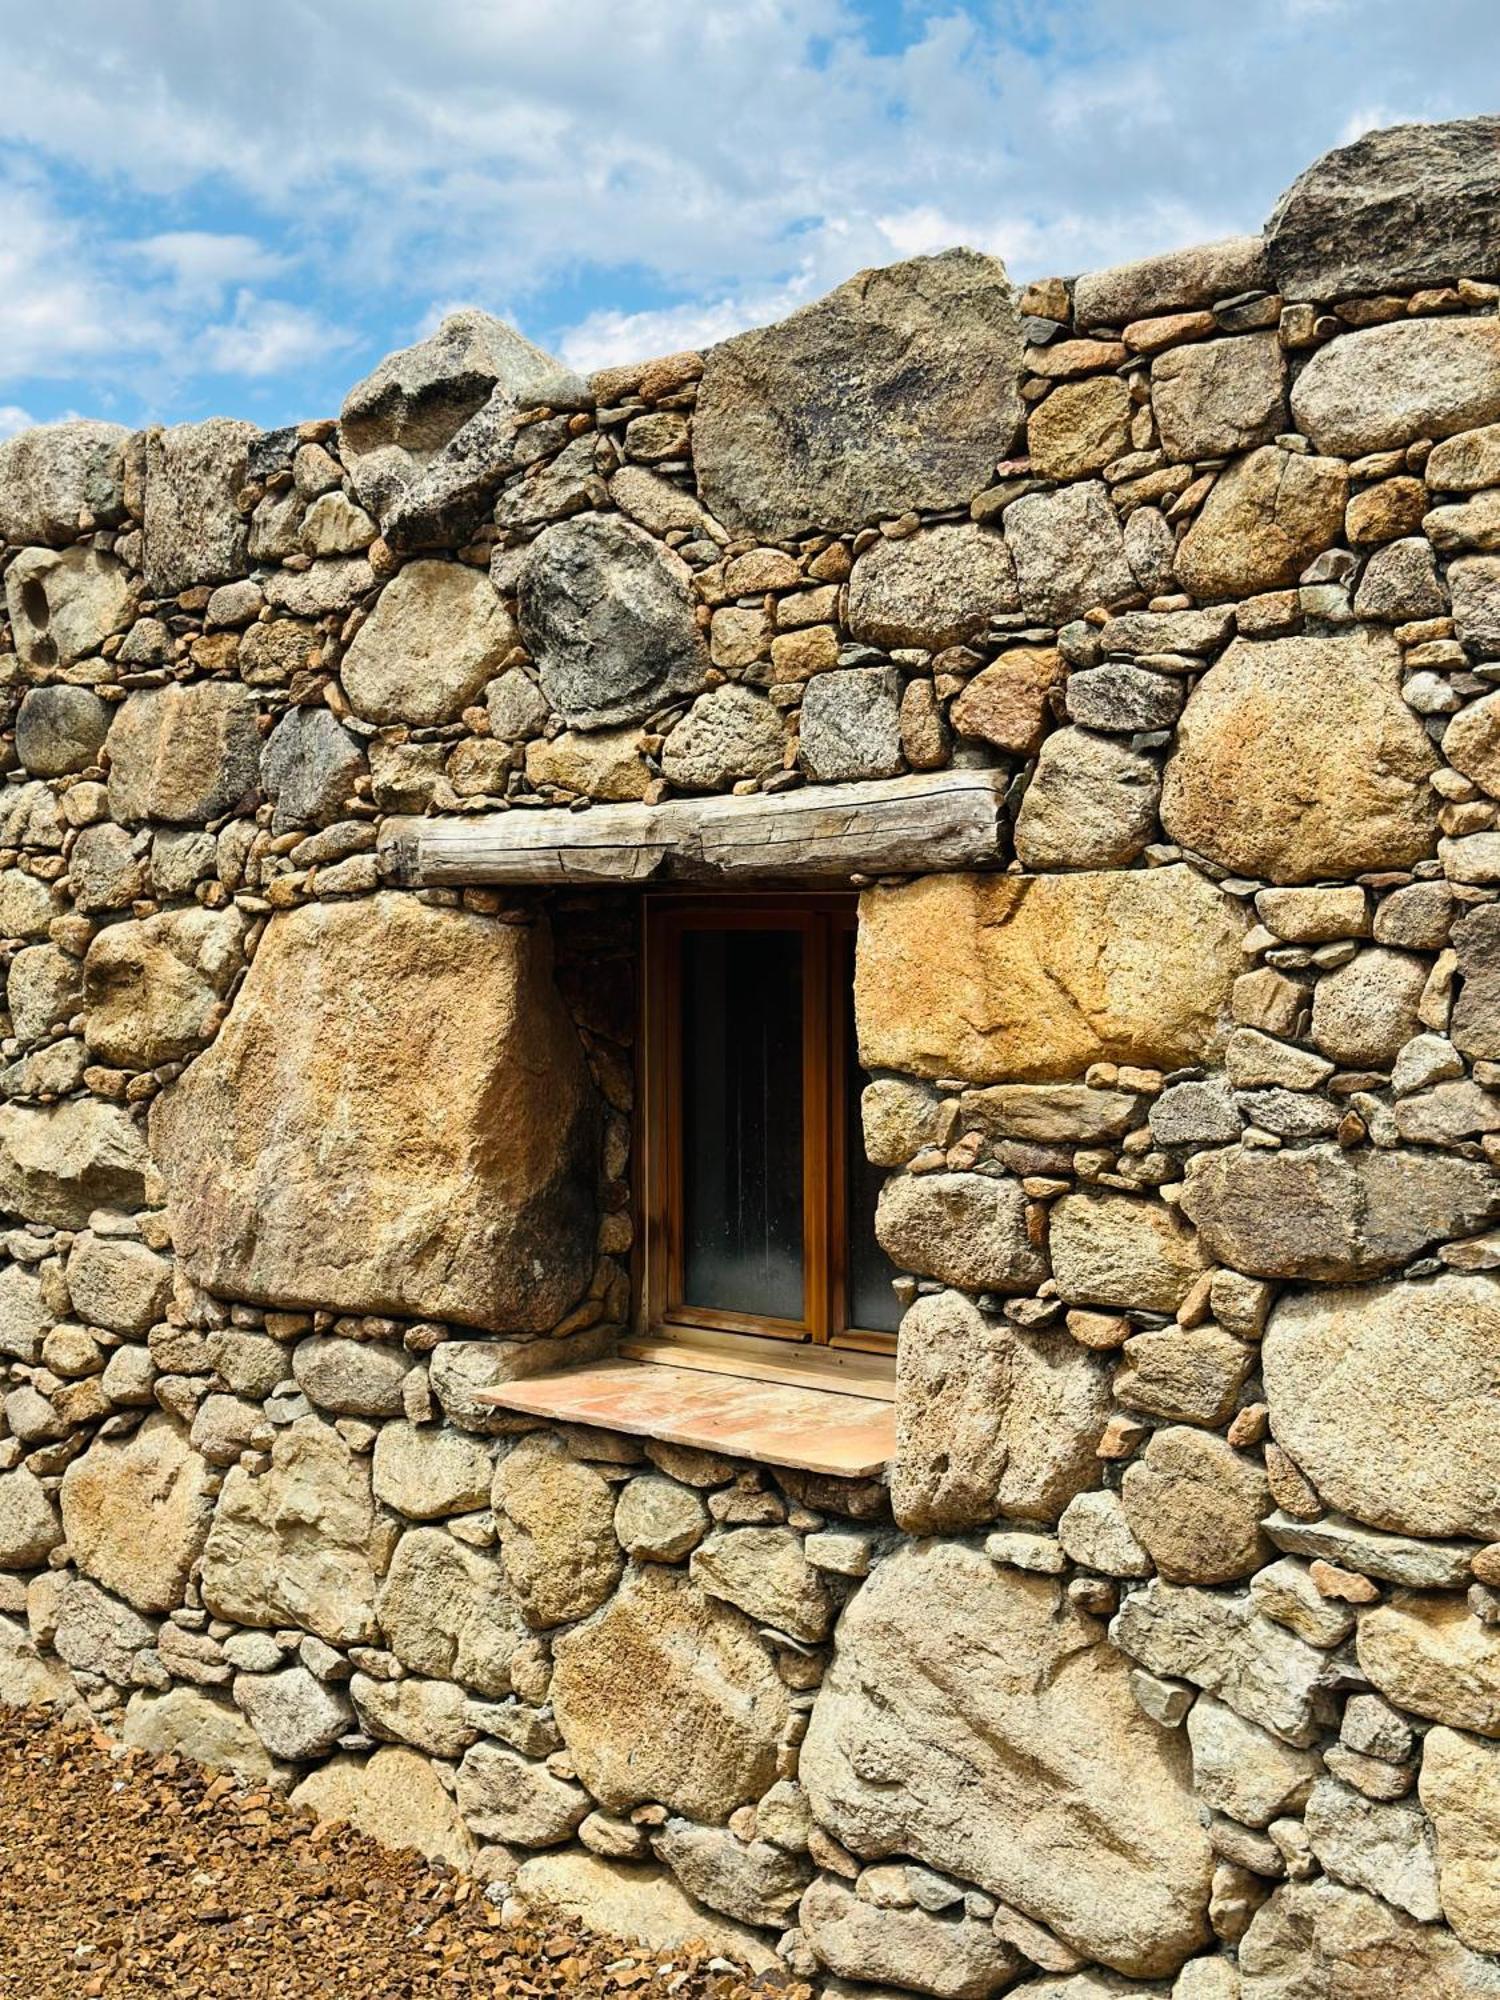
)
(693, 1401)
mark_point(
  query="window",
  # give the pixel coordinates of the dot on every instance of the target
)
(759, 1203)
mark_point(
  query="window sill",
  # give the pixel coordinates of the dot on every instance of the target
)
(682, 1401)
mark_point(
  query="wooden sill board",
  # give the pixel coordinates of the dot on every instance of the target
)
(812, 1430)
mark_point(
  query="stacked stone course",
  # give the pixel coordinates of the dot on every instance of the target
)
(1167, 1660)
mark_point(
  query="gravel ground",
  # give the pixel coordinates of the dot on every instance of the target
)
(125, 1876)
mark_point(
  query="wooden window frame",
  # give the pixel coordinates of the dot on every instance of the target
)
(819, 1338)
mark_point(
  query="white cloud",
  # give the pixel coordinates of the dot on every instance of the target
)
(202, 263)
(267, 337)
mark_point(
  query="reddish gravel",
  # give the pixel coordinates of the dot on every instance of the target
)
(125, 1877)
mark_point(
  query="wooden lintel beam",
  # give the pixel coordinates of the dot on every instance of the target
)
(936, 821)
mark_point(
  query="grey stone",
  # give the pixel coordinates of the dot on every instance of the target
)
(1365, 1012)
(936, 588)
(396, 424)
(969, 1707)
(556, 1518)
(789, 436)
(352, 1378)
(1068, 550)
(1241, 1769)
(751, 1881)
(53, 473)
(607, 613)
(97, 1634)
(64, 605)
(1475, 583)
(851, 725)
(1387, 1849)
(1091, 803)
(436, 635)
(105, 869)
(657, 1520)
(308, 768)
(43, 987)
(430, 1715)
(967, 1229)
(117, 1282)
(1122, 698)
(1400, 582)
(515, 705)
(194, 532)
(1416, 1564)
(1406, 206)
(293, 1713)
(1384, 386)
(24, 1317)
(1475, 1026)
(1322, 1213)
(1096, 1535)
(1195, 1114)
(428, 1472)
(60, 729)
(29, 1525)
(728, 734)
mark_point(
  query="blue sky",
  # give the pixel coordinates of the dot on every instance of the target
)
(240, 205)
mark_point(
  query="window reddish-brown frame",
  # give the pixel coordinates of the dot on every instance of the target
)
(827, 923)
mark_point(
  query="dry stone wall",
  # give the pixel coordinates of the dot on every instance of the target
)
(1167, 1660)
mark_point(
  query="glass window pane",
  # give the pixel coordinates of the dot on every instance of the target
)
(871, 1304)
(742, 1121)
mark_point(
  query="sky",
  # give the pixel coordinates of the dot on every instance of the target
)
(240, 206)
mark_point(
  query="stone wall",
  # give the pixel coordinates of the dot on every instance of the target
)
(1168, 1660)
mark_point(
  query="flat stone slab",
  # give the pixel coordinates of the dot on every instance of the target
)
(775, 1423)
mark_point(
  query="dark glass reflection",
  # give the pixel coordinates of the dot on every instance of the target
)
(871, 1304)
(742, 1121)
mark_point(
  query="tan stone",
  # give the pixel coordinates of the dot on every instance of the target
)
(396, 1118)
(954, 1958)
(1122, 1250)
(604, 764)
(990, 1420)
(446, 1611)
(966, 1229)
(1079, 428)
(974, 1720)
(668, 1695)
(1385, 386)
(1471, 743)
(557, 1531)
(1241, 1769)
(1006, 703)
(1221, 397)
(1426, 1652)
(186, 1723)
(297, 1545)
(1196, 1506)
(1192, 1375)
(1004, 979)
(394, 1797)
(1385, 512)
(437, 633)
(1297, 760)
(136, 1513)
(641, 1904)
(1388, 1397)
(184, 754)
(154, 990)
(1460, 1787)
(1321, 1941)
(763, 1572)
(1262, 524)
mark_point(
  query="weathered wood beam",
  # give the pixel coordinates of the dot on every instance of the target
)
(942, 820)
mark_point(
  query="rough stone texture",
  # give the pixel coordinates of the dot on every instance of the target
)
(935, 588)
(851, 725)
(155, 990)
(607, 614)
(187, 1723)
(729, 733)
(194, 532)
(58, 1165)
(990, 1420)
(1410, 205)
(787, 437)
(117, 1282)
(1242, 1770)
(644, 1904)
(1006, 703)
(974, 1720)
(1426, 1652)
(1297, 760)
(396, 1798)
(952, 1958)
(1002, 979)
(1121, 1250)
(419, 1061)
(1386, 1396)
(1170, 282)
(1383, 1847)
(136, 1513)
(1384, 386)
(752, 1881)
(293, 1713)
(1220, 396)
(1068, 551)
(52, 473)
(64, 606)
(1196, 1506)
(429, 1472)
(1091, 803)
(966, 1229)
(763, 1572)
(186, 754)
(1364, 1013)
(1460, 1788)
(1322, 1941)
(60, 729)
(561, 1556)
(667, 1694)
(446, 1610)
(29, 1524)
(1267, 517)
(294, 1545)
(1322, 1213)
(504, 1797)
(308, 768)
(1079, 428)
(438, 632)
